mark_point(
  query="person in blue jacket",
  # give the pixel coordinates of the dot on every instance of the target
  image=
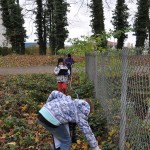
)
(59, 110)
(69, 61)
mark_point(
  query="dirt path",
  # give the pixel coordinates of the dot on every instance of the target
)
(26, 70)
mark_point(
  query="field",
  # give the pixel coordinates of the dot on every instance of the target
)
(31, 60)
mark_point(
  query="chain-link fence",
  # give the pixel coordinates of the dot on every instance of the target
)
(122, 84)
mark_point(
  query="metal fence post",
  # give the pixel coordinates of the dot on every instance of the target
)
(86, 64)
(122, 138)
(96, 78)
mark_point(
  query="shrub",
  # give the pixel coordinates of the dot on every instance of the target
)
(5, 51)
(32, 51)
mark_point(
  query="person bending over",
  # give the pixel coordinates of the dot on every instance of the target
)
(59, 110)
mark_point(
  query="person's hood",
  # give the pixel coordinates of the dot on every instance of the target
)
(82, 107)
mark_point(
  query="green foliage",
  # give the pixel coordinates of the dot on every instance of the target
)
(148, 101)
(37, 87)
(84, 45)
(79, 66)
(10, 146)
(97, 120)
(118, 33)
(108, 146)
(32, 51)
(9, 123)
(84, 89)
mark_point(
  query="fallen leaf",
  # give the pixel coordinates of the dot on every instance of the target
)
(12, 143)
(23, 108)
(78, 142)
(3, 138)
(25, 114)
(36, 137)
(30, 121)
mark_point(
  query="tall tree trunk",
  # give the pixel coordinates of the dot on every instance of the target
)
(40, 30)
(51, 32)
(44, 34)
(149, 36)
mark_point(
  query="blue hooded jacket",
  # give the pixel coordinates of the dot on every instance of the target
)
(65, 110)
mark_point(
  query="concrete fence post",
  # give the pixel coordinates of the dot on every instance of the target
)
(122, 138)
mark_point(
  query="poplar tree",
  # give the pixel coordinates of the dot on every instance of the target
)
(41, 27)
(60, 21)
(97, 21)
(13, 22)
(141, 23)
(120, 22)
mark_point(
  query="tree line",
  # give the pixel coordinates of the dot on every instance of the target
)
(51, 23)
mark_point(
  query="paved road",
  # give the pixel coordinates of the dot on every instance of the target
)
(26, 70)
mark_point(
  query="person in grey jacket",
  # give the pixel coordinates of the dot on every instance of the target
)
(59, 110)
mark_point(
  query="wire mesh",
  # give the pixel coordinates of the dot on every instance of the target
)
(122, 84)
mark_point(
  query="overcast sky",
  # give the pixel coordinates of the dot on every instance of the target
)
(79, 18)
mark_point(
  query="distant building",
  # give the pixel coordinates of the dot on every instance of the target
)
(114, 44)
(3, 41)
(129, 45)
(111, 44)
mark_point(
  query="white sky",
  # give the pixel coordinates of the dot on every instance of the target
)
(79, 18)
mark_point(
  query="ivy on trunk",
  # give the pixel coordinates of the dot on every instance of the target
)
(120, 22)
